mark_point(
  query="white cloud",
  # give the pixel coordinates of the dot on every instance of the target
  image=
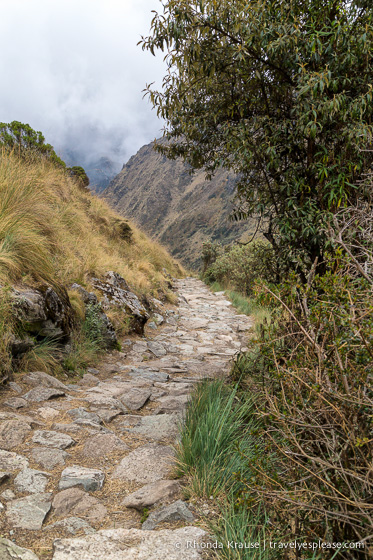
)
(72, 69)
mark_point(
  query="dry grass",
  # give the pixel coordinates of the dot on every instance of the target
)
(52, 230)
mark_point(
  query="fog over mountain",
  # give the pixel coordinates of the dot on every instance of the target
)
(73, 70)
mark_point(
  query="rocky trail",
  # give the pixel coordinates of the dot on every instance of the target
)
(80, 463)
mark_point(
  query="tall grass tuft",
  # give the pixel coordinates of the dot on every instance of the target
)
(219, 432)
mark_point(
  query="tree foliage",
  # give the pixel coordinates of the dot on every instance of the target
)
(281, 93)
(16, 135)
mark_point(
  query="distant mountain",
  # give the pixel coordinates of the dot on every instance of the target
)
(100, 170)
(178, 209)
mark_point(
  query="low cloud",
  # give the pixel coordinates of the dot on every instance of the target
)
(72, 69)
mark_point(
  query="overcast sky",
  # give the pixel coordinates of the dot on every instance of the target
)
(71, 68)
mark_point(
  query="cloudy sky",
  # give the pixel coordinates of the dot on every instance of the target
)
(71, 68)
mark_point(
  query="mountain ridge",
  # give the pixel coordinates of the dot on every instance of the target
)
(180, 209)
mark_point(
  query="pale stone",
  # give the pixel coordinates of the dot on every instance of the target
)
(10, 551)
(78, 503)
(145, 464)
(13, 433)
(38, 378)
(31, 481)
(157, 349)
(48, 413)
(128, 544)
(15, 402)
(151, 494)
(102, 445)
(90, 479)
(40, 394)
(72, 525)
(53, 439)
(135, 398)
(156, 427)
(30, 512)
(49, 457)
(178, 511)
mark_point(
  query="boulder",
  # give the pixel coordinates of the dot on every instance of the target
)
(44, 312)
(116, 293)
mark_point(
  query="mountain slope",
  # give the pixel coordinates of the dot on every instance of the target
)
(178, 209)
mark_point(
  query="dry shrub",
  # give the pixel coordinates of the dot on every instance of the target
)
(313, 366)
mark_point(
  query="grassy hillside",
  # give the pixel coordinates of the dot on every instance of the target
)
(54, 232)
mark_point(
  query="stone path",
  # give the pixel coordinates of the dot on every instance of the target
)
(79, 463)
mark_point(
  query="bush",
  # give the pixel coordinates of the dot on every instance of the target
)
(313, 365)
(240, 266)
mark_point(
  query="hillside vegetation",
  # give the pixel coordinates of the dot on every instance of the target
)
(54, 232)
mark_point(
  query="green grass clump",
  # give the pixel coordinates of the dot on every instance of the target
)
(219, 433)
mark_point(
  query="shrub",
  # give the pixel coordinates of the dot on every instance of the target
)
(240, 266)
(314, 366)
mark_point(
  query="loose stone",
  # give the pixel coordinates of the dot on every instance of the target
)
(30, 512)
(53, 439)
(90, 479)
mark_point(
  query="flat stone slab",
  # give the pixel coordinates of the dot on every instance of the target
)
(78, 503)
(10, 551)
(72, 525)
(157, 349)
(90, 479)
(172, 404)
(151, 494)
(30, 512)
(15, 402)
(40, 394)
(158, 427)
(31, 481)
(102, 401)
(48, 413)
(145, 464)
(40, 378)
(53, 439)
(83, 414)
(144, 373)
(128, 544)
(108, 415)
(178, 511)
(48, 457)
(13, 433)
(135, 398)
(102, 445)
